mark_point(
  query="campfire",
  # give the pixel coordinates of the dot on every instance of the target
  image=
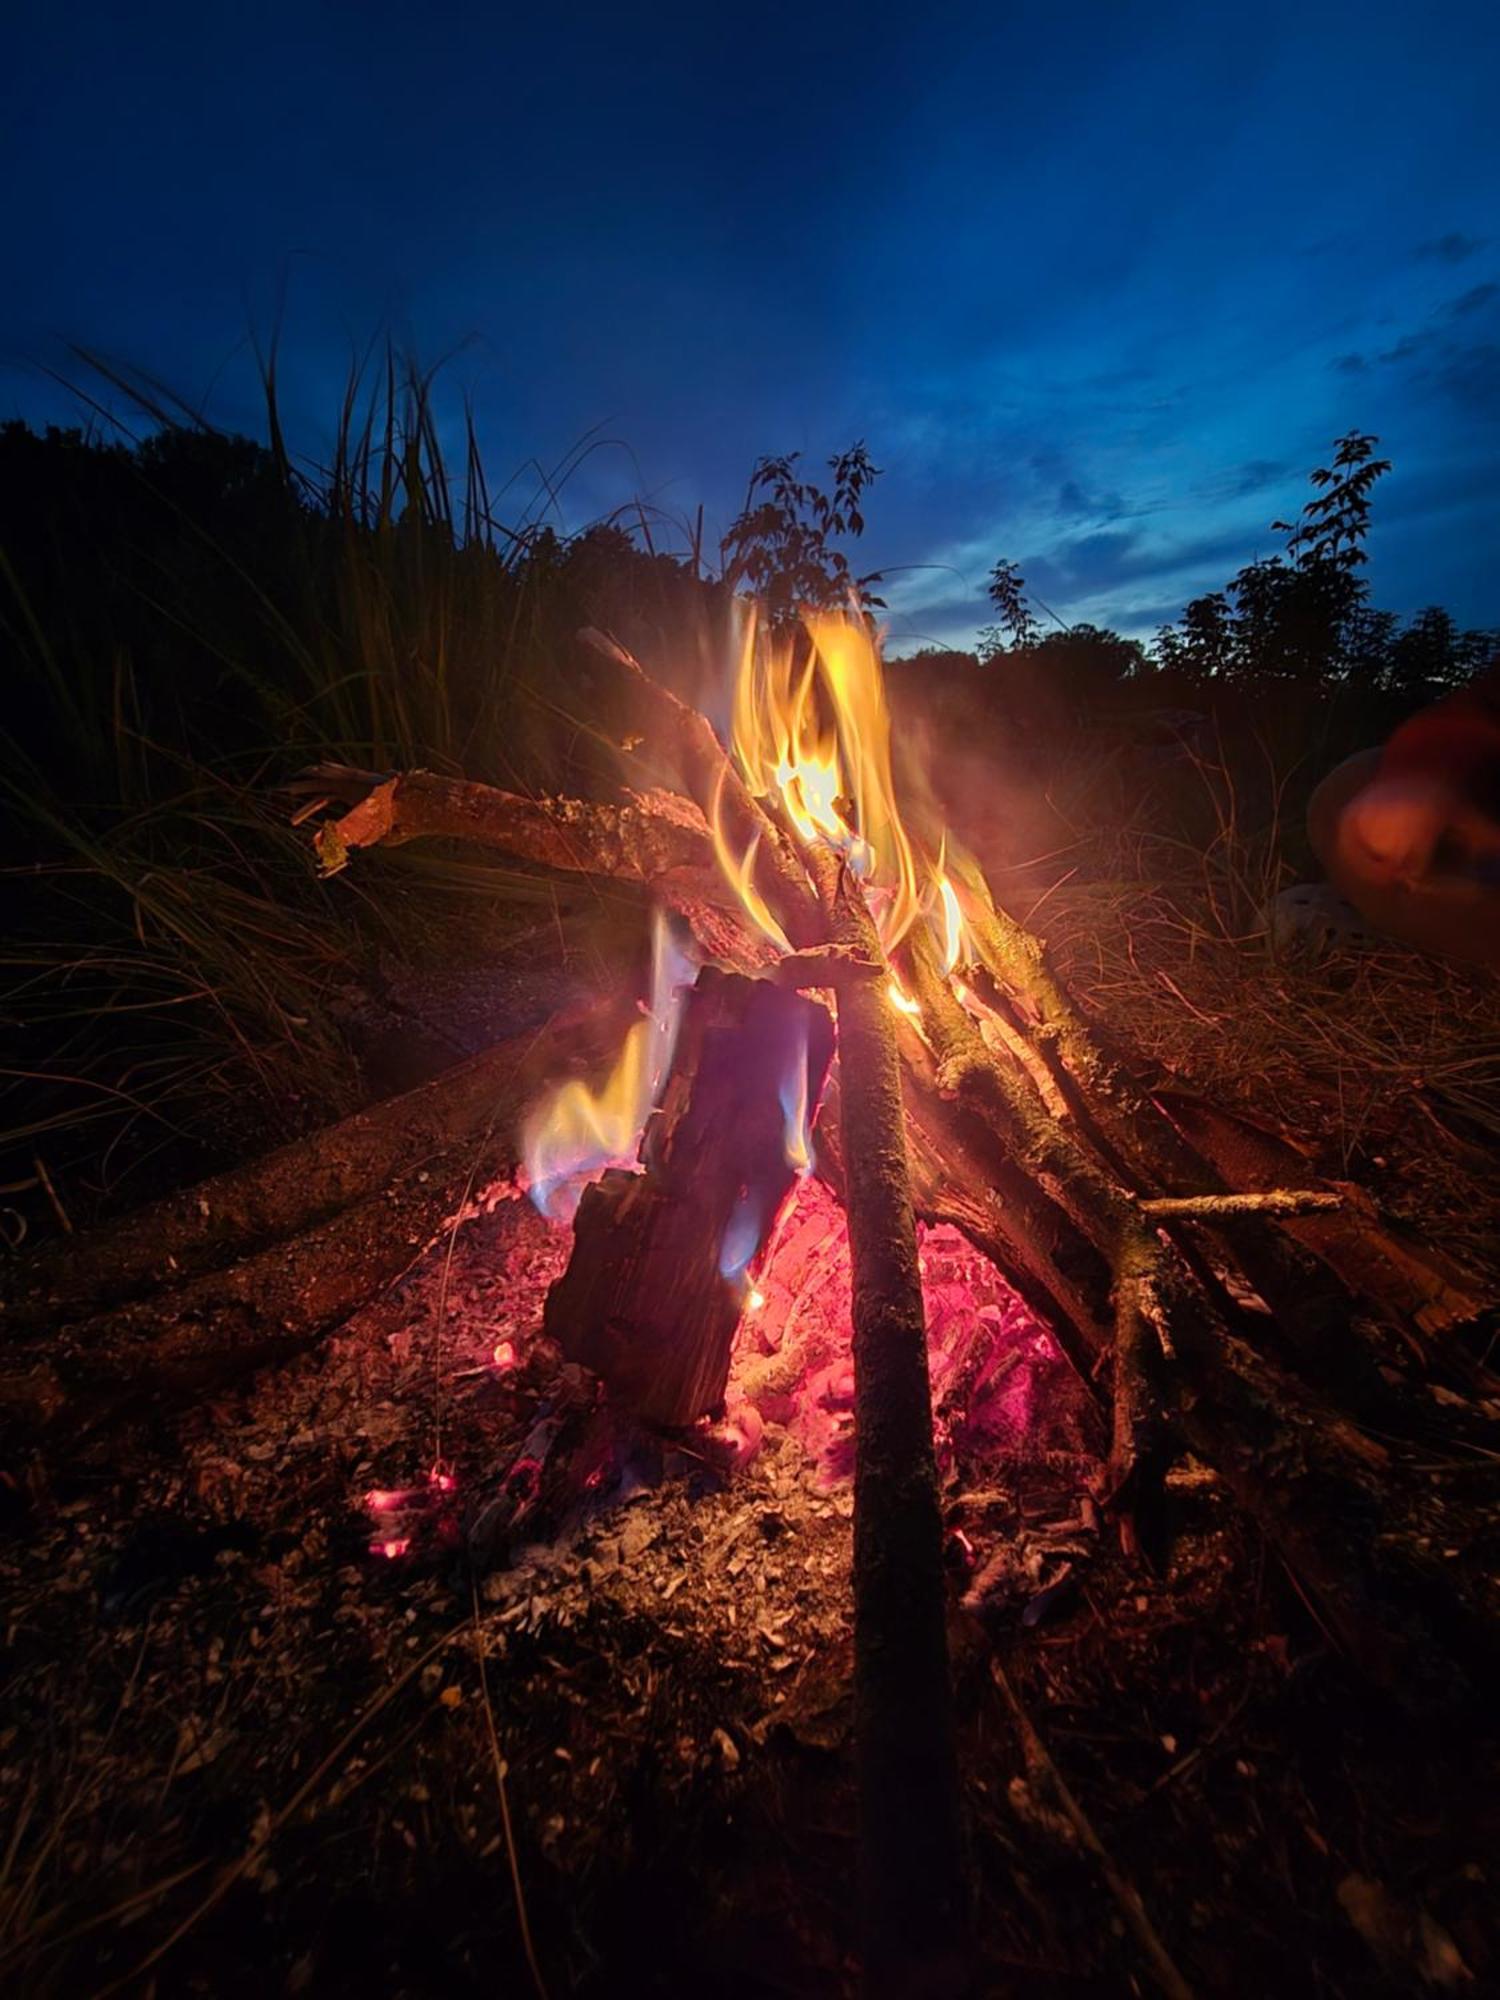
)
(837, 993)
(854, 1078)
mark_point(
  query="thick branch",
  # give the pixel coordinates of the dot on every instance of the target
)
(658, 838)
(198, 1337)
(295, 1188)
(273, 1256)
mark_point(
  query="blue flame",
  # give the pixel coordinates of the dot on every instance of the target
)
(792, 1095)
(741, 1238)
(577, 1129)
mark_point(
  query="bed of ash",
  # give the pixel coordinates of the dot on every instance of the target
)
(311, 1677)
(1002, 1394)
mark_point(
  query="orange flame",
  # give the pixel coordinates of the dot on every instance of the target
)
(955, 932)
(572, 1135)
(817, 736)
(953, 924)
(901, 1000)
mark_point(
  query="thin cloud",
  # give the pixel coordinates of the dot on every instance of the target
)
(1474, 300)
(1454, 248)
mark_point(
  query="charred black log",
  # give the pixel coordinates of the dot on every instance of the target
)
(655, 1288)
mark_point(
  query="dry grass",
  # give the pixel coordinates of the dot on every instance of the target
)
(1385, 1062)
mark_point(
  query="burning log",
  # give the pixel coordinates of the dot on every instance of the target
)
(656, 1285)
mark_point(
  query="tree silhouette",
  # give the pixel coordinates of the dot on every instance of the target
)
(782, 545)
(1332, 527)
(1006, 590)
(1299, 615)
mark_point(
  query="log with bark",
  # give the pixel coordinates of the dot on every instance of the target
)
(258, 1263)
(912, 1883)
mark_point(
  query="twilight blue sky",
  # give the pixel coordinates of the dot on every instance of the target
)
(1097, 282)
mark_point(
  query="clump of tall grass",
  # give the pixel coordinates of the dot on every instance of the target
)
(190, 617)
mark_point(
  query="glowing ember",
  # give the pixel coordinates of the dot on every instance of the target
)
(735, 1438)
(504, 1355)
(576, 1132)
(525, 1476)
(999, 1382)
(392, 1549)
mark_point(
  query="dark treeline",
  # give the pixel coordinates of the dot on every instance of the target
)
(1302, 617)
(197, 595)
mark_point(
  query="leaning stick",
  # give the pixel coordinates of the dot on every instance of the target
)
(912, 1881)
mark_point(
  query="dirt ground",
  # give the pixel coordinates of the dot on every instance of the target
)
(409, 1667)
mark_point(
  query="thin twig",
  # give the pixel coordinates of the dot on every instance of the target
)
(1267, 1201)
(52, 1195)
(1120, 1886)
(507, 1827)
